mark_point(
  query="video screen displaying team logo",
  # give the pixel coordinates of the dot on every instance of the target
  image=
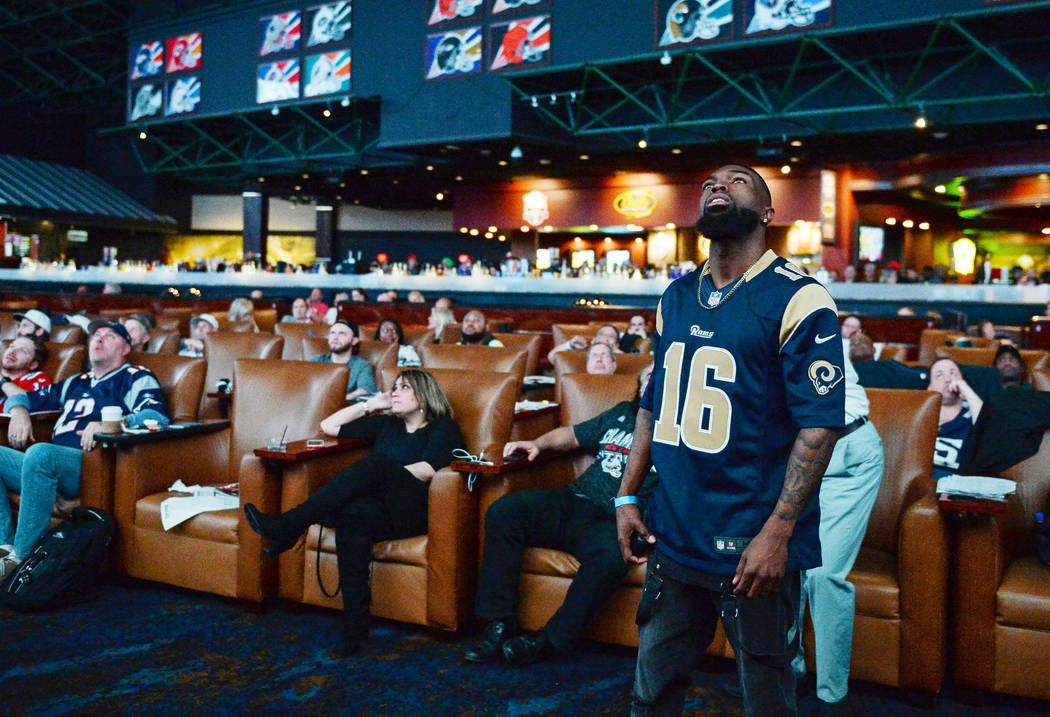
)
(777, 15)
(147, 60)
(456, 52)
(521, 43)
(686, 22)
(279, 33)
(184, 96)
(276, 81)
(327, 74)
(184, 52)
(146, 101)
(499, 6)
(445, 10)
(329, 23)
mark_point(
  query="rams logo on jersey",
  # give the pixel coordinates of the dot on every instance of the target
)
(824, 376)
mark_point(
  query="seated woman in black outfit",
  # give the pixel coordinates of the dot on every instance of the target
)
(381, 497)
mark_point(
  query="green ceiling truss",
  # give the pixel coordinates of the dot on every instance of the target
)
(981, 67)
(237, 146)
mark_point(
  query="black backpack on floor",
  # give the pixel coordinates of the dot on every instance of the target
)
(64, 562)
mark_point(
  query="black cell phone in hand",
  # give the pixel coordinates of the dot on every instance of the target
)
(640, 547)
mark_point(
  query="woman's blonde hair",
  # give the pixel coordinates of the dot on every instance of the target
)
(432, 400)
(239, 309)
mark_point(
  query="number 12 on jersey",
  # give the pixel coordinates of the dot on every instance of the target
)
(707, 411)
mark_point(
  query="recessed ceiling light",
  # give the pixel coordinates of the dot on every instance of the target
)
(545, 161)
(1042, 127)
(585, 157)
(502, 163)
(890, 221)
(676, 150)
(786, 169)
(907, 224)
(796, 143)
(925, 226)
(430, 167)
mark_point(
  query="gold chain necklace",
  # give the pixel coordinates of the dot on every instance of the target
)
(707, 270)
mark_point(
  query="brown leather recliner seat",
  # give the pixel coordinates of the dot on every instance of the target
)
(901, 573)
(481, 358)
(427, 579)
(1031, 359)
(217, 552)
(530, 343)
(293, 335)
(1001, 596)
(221, 350)
(547, 574)
(163, 341)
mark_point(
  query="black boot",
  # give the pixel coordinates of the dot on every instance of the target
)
(354, 633)
(490, 645)
(282, 530)
(526, 649)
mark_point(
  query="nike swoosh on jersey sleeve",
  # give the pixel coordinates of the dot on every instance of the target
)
(810, 298)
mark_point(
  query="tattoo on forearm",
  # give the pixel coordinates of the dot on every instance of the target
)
(806, 465)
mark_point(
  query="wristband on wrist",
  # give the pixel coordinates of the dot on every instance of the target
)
(625, 500)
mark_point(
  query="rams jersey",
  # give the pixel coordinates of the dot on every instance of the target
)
(81, 399)
(731, 388)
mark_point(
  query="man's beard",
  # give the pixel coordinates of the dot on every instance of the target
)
(1011, 374)
(733, 223)
(472, 338)
(341, 352)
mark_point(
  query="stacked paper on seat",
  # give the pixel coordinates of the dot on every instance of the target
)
(539, 380)
(201, 499)
(531, 405)
(981, 487)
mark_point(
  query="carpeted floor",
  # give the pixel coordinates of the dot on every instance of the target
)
(136, 648)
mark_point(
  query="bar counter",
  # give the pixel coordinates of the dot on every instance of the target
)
(1004, 304)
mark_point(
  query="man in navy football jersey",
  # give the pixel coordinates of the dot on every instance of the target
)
(740, 419)
(45, 470)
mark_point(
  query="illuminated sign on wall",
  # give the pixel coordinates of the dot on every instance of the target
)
(635, 203)
(535, 210)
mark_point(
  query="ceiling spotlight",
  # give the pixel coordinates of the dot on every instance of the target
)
(502, 163)
(439, 196)
(644, 141)
(796, 143)
(516, 152)
(1042, 127)
(473, 232)
(1046, 230)
(572, 96)
(430, 167)
(262, 179)
(925, 226)
(786, 169)
(665, 59)
(327, 112)
(676, 150)
(345, 102)
(364, 172)
(585, 157)
(920, 121)
(298, 187)
(493, 228)
(890, 221)
(142, 135)
(940, 189)
(275, 111)
(535, 102)
(907, 224)
(524, 229)
(554, 99)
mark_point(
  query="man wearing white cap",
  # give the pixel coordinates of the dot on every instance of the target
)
(45, 470)
(34, 323)
(200, 326)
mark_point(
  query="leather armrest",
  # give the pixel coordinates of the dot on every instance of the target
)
(922, 554)
(980, 562)
(452, 548)
(97, 476)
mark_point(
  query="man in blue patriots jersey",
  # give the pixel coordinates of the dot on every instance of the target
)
(45, 470)
(740, 419)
